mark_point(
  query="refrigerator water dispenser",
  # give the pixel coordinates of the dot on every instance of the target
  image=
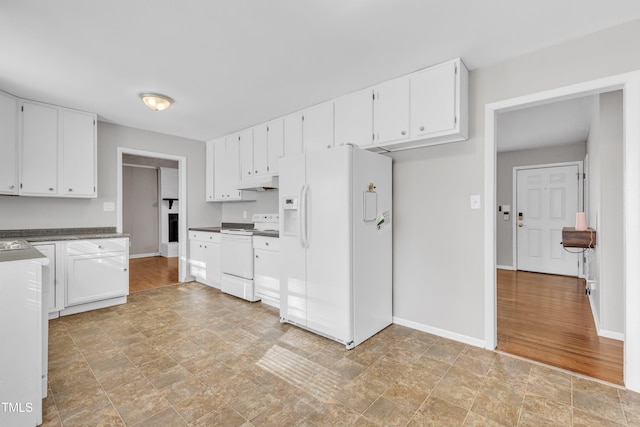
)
(290, 219)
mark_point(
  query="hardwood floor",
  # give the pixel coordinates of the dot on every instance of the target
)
(152, 272)
(548, 319)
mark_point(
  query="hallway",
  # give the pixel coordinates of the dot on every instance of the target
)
(548, 319)
(152, 272)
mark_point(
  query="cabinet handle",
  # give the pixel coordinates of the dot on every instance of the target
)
(256, 172)
(71, 190)
(257, 256)
(266, 243)
(100, 247)
(50, 188)
(421, 128)
(124, 269)
(249, 172)
(11, 187)
(403, 132)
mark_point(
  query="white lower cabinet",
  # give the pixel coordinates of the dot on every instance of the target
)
(204, 257)
(49, 285)
(266, 269)
(96, 270)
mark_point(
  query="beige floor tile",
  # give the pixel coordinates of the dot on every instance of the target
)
(547, 409)
(166, 418)
(436, 412)
(459, 386)
(388, 413)
(496, 410)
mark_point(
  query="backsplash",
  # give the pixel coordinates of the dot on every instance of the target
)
(266, 202)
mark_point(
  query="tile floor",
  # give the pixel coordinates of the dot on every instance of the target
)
(190, 355)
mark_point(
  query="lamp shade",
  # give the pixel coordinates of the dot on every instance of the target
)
(156, 101)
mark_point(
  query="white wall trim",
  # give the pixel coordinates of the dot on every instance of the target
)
(603, 332)
(439, 332)
(144, 255)
(505, 267)
(183, 269)
(630, 84)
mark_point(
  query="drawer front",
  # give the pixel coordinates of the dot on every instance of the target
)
(96, 246)
(204, 236)
(266, 243)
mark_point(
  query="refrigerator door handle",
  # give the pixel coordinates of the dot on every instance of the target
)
(303, 216)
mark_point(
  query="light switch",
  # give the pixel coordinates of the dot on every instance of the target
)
(109, 206)
(475, 201)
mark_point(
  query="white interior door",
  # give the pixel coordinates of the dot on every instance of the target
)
(547, 200)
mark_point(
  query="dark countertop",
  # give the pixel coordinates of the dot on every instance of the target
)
(208, 229)
(266, 233)
(57, 234)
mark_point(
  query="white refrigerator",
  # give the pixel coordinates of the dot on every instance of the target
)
(335, 243)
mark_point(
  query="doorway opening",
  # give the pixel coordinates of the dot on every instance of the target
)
(151, 198)
(629, 84)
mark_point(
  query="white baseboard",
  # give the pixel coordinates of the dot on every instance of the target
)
(144, 255)
(440, 332)
(505, 267)
(603, 332)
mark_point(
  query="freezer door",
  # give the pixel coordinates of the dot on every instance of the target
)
(328, 198)
(293, 286)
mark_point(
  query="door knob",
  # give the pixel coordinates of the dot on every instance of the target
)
(520, 224)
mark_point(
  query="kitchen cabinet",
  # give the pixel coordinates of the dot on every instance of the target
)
(96, 270)
(204, 257)
(391, 111)
(317, 127)
(245, 145)
(58, 151)
(439, 102)
(266, 269)
(293, 134)
(8, 144)
(268, 147)
(226, 171)
(354, 119)
(49, 276)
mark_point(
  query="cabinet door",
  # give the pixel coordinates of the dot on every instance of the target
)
(261, 150)
(219, 169)
(78, 143)
(39, 150)
(391, 111)
(266, 275)
(8, 144)
(245, 142)
(49, 276)
(210, 169)
(232, 165)
(433, 100)
(275, 142)
(354, 119)
(317, 127)
(293, 134)
(96, 277)
(197, 265)
(212, 262)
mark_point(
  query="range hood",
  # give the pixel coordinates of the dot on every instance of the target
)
(260, 183)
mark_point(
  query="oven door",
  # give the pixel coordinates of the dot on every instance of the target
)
(237, 255)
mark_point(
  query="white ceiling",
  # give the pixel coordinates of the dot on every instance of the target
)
(558, 123)
(232, 64)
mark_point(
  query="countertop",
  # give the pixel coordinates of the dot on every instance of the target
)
(22, 255)
(57, 234)
(217, 230)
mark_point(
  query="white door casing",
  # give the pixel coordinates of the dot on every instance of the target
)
(547, 199)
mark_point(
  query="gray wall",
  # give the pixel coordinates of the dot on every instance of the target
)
(40, 212)
(438, 255)
(505, 163)
(605, 212)
(266, 202)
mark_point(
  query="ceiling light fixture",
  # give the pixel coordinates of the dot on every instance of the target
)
(156, 101)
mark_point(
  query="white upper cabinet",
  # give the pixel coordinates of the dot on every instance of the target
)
(39, 150)
(275, 143)
(391, 111)
(354, 119)
(439, 102)
(8, 144)
(226, 170)
(79, 171)
(58, 151)
(317, 127)
(293, 134)
(245, 145)
(261, 150)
